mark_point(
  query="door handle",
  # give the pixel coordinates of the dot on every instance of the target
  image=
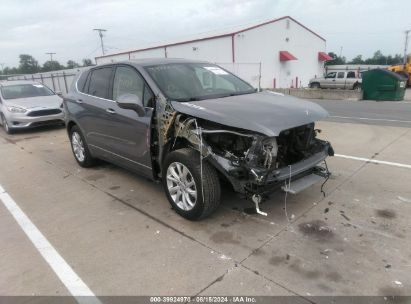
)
(111, 111)
(79, 100)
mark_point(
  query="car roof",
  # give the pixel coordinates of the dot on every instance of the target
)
(155, 61)
(16, 82)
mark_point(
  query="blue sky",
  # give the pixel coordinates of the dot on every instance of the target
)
(66, 27)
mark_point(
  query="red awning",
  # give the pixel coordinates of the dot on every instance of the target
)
(285, 56)
(324, 56)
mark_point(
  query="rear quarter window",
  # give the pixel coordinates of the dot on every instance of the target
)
(351, 74)
(81, 81)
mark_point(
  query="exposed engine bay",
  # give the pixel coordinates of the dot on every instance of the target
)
(253, 163)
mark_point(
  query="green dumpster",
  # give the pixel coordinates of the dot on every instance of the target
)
(379, 84)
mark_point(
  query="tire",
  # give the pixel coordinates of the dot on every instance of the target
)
(80, 150)
(206, 199)
(5, 125)
(357, 87)
(315, 85)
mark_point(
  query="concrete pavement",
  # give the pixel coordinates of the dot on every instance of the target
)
(118, 233)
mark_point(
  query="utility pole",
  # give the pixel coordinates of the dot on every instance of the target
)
(100, 33)
(51, 55)
(2, 67)
(406, 46)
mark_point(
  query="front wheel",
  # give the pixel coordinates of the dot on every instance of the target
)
(315, 85)
(5, 124)
(192, 194)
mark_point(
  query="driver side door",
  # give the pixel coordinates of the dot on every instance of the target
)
(126, 133)
(329, 80)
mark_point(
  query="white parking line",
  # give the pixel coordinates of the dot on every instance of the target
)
(65, 273)
(372, 119)
(374, 161)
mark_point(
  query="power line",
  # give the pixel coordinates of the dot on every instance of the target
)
(51, 55)
(100, 33)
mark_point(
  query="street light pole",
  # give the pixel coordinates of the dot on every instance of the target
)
(406, 46)
(100, 33)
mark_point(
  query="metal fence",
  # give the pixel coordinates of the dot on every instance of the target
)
(58, 81)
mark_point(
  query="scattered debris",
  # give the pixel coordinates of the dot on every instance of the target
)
(398, 283)
(387, 266)
(344, 216)
(224, 257)
(317, 229)
(326, 210)
(386, 213)
(158, 232)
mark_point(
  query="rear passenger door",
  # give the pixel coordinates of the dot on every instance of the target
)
(340, 81)
(92, 117)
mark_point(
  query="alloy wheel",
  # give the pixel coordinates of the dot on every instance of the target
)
(181, 186)
(78, 146)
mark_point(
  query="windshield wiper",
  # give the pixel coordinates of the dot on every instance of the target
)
(188, 99)
(241, 93)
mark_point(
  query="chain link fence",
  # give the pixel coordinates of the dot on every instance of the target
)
(58, 81)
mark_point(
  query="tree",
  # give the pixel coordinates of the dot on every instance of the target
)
(87, 62)
(71, 64)
(28, 65)
(357, 60)
(52, 66)
(336, 59)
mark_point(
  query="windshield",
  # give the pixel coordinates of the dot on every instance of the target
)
(25, 91)
(196, 81)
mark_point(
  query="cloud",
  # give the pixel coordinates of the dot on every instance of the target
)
(66, 26)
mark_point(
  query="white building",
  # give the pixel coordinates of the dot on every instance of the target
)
(279, 53)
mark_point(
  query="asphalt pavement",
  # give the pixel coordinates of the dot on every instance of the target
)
(386, 113)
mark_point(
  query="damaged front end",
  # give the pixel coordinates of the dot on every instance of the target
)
(255, 164)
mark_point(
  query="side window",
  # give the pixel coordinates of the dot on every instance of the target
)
(99, 82)
(128, 81)
(351, 74)
(340, 74)
(81, 81)
(331, 75)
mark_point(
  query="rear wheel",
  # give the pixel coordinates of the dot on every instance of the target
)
(357, 87)
(80, 149)
(191, 194)
(315, 85)
(5, 124)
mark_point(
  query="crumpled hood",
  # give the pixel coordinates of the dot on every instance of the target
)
(266, 112)
(39, 102)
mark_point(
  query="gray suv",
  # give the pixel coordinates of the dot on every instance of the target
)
(192, 124)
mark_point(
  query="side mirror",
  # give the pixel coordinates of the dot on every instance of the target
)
(59, 93)
(131, 102)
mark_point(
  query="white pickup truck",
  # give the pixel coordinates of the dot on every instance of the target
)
(348, 80)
